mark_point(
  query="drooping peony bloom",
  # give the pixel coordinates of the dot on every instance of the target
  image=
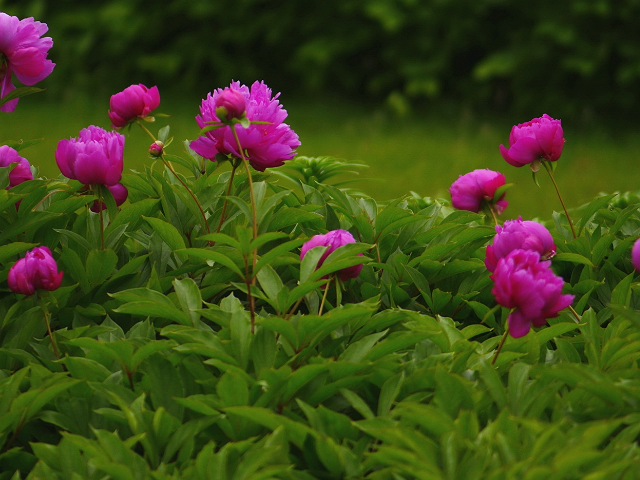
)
(469, 191)
(333, 239)
(120, 194)
(230, 104)
(519, 235)
(540, 139)
(94, 158)
(265, 145)
(22, 52)
(635, 254)
(37, 270)
(21, 172)
(529, 286)
(133, 102)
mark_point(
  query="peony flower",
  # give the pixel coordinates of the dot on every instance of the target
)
(540, 139)
(120, 194)
(265, 145)
(22, 52)
(37, 270)
(230, 104)
(20, 172)
(469, 191)
(333, 239)
(635, 254)
(156, 149)
(94, 158)
(519, 235)
(527, 285)
(133, 102)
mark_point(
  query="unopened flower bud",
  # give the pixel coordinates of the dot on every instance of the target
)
(155, 149)
(230, 104)
(37, 270)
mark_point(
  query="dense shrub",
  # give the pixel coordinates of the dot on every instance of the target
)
(568, 58)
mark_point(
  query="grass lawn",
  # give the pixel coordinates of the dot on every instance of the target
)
(423, 153)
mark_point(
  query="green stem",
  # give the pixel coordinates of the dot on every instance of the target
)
(254, 221)
(204, 217)
(575, 314)
(493, 214)
(324, 297)
(45, 310)
(101, 213)
(224, 205)
(548, 169)
(504, 338)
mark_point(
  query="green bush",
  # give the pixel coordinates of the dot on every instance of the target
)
(573, 58)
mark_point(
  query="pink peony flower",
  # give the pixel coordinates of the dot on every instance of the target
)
(265, 145)
(20, 172)
(22, 52)
(230, 104)
(635, 254)
(469, 191)
(37, 270)
(519, 235)
(120, 194)
(333, 239)
(133, 102)
(156, 149)
(526, 284)
(541, 138)
(94, 158)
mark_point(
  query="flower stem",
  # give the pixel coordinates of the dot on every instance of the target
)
(548, 169)
(204, 217)
(493, 214)
(324, 297)
(575, 314)
(254, 222)
(224, 204)
(101, 213)
(43, 305)
(504, 339)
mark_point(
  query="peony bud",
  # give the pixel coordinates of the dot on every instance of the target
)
(156, 149)
(540, 139)
(133, 102)
(230, 104)
(37, 270)
(333, 239)
(120, 194)
(469, 191)
(20, 172)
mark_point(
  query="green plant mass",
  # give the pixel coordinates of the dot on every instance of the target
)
(207, 298)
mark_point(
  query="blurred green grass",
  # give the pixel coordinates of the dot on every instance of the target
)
(423, 152)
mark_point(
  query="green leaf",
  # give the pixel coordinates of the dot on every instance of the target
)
(592, 208)
(100, 265)
(13, 249)
(213, 256)
(189, 297)
(19, 93)
(169, 234)
(573, 258)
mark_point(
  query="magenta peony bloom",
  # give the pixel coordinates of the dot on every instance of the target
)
(635, 254)
(22, 52)
(469, 191)
(133, 102)
(120, 194)
(265, 145)
(333, 239)
(540, 139)
(519, 235)
(37, 270)
(230, 104)
(528, 285)
(20, 172)
(94, 158)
